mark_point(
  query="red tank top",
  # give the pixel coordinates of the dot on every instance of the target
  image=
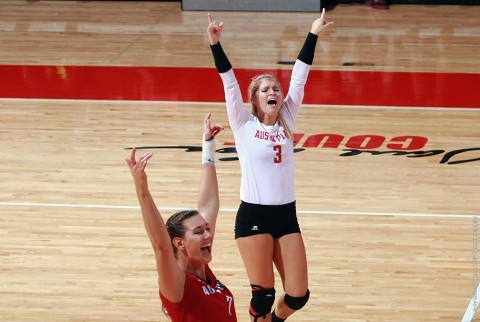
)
(202, 301)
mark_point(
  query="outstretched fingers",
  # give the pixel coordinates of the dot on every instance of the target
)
(216, 128)
(131, 160)
(320, 24)
(214, 30)
(212, 22)
(142, 162)
(211, 130)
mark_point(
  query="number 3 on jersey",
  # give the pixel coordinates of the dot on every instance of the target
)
(278, 154)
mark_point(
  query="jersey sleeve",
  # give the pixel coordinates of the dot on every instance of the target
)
(300, 71)
(236, 111)
(238, 115)
(294, 98)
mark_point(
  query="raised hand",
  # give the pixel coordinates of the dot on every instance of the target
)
(210, 130)
(214, 30)
(137, 169)
(320, 24)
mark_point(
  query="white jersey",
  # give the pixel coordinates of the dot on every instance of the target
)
(265, 153)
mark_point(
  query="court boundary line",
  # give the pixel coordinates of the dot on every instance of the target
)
(305, 212)
(416, 108)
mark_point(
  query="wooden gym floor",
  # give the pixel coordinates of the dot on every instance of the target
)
(388, 203)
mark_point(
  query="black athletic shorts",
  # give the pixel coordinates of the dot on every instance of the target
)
(255, 219)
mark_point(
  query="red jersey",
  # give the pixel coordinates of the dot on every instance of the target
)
(202, 301)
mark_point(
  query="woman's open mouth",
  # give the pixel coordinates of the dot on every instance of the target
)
(272, 102)
(206, 249)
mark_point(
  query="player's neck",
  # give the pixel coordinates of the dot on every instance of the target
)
(194, 268)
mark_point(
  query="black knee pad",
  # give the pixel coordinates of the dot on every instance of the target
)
(262, 301)
(296, 303)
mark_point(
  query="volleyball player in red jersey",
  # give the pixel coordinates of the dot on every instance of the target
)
(188, 289)
(266, 226)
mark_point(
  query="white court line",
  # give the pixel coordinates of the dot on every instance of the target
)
(306, 212)
(472, 307)
(122, 102)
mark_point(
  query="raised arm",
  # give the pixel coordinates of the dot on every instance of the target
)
(171, 279)
(208, 202)
(237, 113)
(214, 32)
(302, 67)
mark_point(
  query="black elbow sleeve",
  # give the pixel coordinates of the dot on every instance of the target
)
(221, 61)
(308, 50)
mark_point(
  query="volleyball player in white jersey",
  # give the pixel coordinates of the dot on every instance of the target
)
(266, 226)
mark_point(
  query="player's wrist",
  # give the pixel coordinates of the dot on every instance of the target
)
(208, 150)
